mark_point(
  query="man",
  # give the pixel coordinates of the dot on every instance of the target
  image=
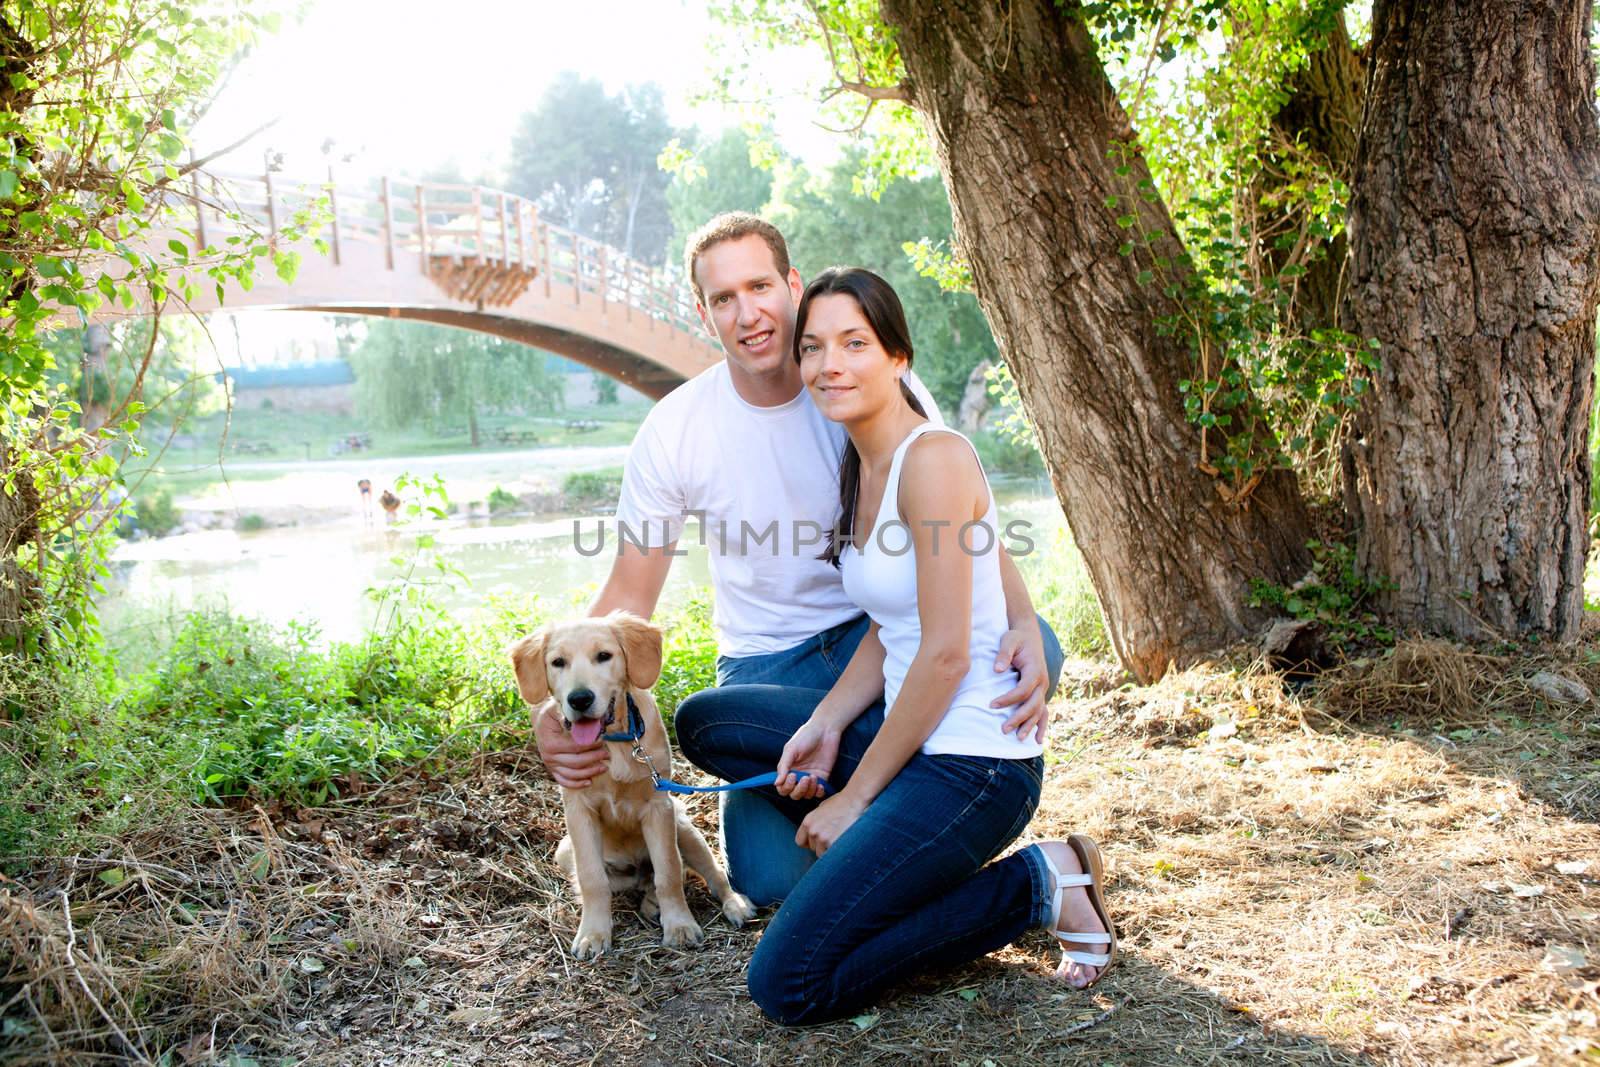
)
(742, 447)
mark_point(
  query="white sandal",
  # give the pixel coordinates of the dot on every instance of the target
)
(1094, 875)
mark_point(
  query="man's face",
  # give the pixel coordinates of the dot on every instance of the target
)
(749, 304)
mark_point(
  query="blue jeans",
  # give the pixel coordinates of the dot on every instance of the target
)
(764, 863)
(905, 888)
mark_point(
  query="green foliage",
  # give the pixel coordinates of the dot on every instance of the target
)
(268, 713)
(592, 487)
(826, 221)
(1254, 209)
(1005, 453)
(689, 661)
(157, 514)
(828, 44)
(1063, 594)
(94, 111)
(501, 501)
(589, 160)
(721, 173)
(414, 374)
(605, 390)
(1334, 593)
(251, 523)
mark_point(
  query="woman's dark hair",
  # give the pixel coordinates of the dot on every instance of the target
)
(880, 306)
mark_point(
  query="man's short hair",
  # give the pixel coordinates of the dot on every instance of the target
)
(731, 226)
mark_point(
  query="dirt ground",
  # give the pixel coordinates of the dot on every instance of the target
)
(1404, 871)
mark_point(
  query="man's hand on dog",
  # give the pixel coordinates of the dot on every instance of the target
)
(571, 764)
(1023, 651)
(813, 749)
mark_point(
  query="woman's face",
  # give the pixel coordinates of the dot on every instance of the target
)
(850, 374)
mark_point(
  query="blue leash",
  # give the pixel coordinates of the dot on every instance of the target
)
(667, 785)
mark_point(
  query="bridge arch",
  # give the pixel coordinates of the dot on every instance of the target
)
(464, 256)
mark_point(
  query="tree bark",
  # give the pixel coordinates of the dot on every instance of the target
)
(19, 525)
(1022, 117)
(1473, 236)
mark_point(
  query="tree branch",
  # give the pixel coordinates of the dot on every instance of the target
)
(846, 85)
(196, 164)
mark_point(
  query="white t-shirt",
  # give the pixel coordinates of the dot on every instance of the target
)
(764, 483)
(882, 577)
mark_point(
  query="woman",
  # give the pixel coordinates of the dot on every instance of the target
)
(901, 885)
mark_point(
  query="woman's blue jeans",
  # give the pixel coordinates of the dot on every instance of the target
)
(905, 889)
(763, 861)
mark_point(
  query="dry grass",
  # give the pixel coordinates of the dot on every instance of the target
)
(1332, 877)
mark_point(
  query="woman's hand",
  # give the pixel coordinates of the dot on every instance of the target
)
(813, 749)
(829, 822)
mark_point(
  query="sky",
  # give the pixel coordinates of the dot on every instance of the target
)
(402, 85)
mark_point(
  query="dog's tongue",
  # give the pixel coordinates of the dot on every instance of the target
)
(587, 731)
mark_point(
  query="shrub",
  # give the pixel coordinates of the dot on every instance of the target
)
(267, 712)
(157, 514)
(501, 501)
(592, 487)
(1005, 453)
(251, 523)
(689, 662)
(1064, 595)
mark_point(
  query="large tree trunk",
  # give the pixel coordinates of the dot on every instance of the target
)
(1473, 233)
(1022, 117)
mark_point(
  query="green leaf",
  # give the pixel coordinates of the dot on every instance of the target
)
(259, 865)
(179, 248)
(113, 877)
(865, 1022)
(8, 184)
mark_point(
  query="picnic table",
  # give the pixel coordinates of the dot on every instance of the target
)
(509, 436)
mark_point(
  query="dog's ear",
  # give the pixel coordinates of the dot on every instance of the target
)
(527, 659)
(641, 647)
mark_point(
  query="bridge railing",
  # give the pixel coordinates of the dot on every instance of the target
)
(443, 222)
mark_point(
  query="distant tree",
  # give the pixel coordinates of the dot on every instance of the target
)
(411, 373)
(605, 389)
(589, 160)
(715, 173)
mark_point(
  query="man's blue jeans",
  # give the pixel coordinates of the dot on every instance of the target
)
(758, 832)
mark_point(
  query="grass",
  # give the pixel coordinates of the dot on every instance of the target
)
(203, 448)
(1333, 880)
(1058, 580)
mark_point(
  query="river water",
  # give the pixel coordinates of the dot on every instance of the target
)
(320, 572)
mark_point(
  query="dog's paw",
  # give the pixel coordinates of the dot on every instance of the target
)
(681, 933)
(738, 909)
(591, 941)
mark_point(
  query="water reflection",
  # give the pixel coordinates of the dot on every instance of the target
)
(320, 574)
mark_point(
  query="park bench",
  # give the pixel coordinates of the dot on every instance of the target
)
(583, 425)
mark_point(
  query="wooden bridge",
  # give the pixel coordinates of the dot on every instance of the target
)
(466, 256)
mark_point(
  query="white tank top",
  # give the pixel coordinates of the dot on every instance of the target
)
(881, 577)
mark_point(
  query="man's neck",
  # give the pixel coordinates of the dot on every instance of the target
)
(766, 391)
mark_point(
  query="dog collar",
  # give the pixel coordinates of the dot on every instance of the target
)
(635, 725)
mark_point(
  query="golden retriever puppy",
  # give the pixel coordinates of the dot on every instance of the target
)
(620, 830)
